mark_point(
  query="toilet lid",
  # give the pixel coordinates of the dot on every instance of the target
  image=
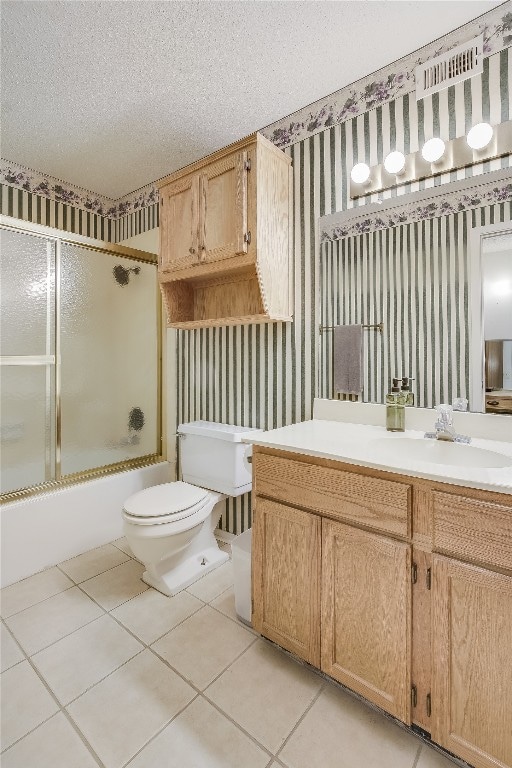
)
(166, 499)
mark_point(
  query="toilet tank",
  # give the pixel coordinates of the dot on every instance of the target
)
(213, 456)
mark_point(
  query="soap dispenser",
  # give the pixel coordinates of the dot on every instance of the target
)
(395, 408)
(406, 389)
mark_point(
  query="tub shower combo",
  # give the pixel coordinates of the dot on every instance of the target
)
(80, 359)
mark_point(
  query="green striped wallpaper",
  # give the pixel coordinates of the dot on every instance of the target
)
(135, 223)
(42, 210)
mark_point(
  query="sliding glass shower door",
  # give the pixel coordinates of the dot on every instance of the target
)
(27, 337)
(109, 353)
(80, 360)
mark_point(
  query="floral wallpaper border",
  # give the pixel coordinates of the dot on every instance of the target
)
(15, 175)
(134, 201)
(365, 94)
(438, 204)
(389, 83)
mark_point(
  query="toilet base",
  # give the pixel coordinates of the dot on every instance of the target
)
(187, 572)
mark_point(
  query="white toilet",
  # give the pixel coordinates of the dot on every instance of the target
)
(170, 527)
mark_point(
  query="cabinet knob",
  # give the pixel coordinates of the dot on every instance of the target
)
(192, 250)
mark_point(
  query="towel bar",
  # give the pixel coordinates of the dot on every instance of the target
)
(373, 326)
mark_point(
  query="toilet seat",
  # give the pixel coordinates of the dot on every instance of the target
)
(165, 503)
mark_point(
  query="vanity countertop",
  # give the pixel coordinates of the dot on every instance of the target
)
(362, 445)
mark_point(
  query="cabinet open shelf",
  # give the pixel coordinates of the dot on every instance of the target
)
(229, 298)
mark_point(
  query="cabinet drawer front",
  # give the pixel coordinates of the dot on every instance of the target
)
(380, 504)
(473, 529)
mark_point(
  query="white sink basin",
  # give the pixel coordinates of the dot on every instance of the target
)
(437, 452)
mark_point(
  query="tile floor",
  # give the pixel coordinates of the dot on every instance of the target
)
(98, 669)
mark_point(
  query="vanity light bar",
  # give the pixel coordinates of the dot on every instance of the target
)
(457, 154)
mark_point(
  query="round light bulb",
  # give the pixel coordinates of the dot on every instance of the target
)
(394, 162)
(360, 173)
(480, 135)
(433, 150)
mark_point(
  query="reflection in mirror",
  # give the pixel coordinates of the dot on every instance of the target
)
(496, 255)
(412, 278)
(416, 265)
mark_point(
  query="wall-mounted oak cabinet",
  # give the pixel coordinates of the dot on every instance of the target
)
(225, 239)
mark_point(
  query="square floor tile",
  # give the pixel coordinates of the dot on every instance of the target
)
(151, 614)
(266, 692)
(116, 586)
(225, 603)
(32, 590)
(123, 545)
(429, 758)
(44, 623)
(203, 646)
(341, 732)
(92, 563)
(25, 703)
(201, 738)
(119, 715)
(214, 583)
(10, 652)
(55, 744)
(78, 661)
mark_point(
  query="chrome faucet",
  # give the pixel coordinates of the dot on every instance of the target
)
(444, 429)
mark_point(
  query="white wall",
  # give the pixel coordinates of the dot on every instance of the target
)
(146, 241)
(497, 292)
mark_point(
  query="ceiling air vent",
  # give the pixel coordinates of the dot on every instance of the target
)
(449, 68)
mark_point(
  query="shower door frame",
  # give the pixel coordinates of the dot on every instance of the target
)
(53, 362)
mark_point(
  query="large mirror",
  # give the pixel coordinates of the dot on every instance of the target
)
(433, 293)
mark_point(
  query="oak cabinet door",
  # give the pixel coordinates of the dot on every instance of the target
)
(366, 615)
(286, 578)
(179, 224)
(472, 663)
(223, 208)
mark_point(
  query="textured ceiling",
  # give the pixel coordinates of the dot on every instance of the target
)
(113, 95)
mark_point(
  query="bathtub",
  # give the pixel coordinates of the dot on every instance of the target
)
(43, 530)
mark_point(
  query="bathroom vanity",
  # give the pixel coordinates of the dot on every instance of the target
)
(392, 574)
